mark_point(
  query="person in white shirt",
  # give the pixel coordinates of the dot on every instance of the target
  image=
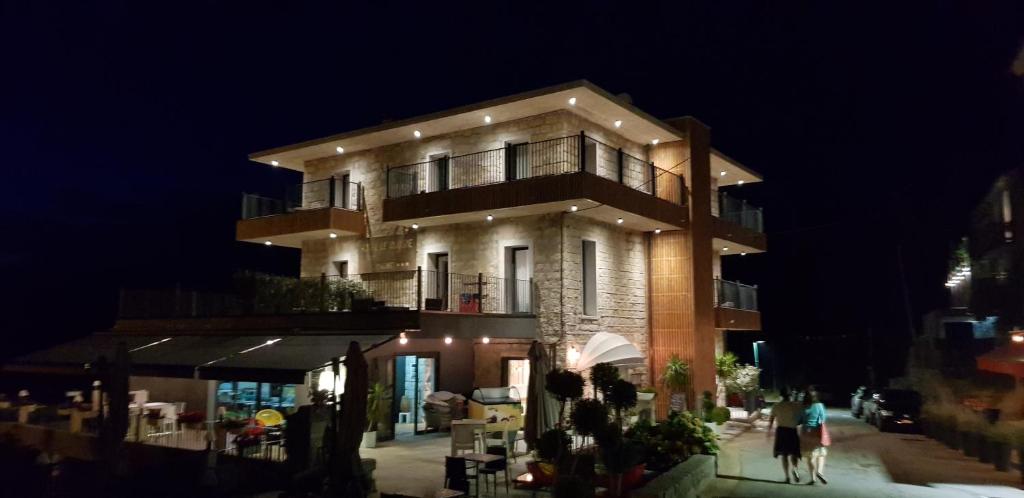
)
(787, 414)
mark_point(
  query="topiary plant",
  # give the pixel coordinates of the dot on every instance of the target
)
(588, 416)
(553, 443)
(602, 376)
(720, 415)
(564, 386)
(622, 396)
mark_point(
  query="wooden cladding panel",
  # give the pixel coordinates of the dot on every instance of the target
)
(343, 220)
(671, 296)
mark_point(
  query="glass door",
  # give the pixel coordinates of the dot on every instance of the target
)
(415, 379)
(426, 379)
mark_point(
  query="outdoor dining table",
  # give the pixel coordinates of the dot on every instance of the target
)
(477, 459)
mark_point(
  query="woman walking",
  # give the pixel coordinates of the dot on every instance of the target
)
(787, 414)
(814, 436)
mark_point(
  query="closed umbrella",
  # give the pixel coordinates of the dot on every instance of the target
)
(541, 407)
(347, 469)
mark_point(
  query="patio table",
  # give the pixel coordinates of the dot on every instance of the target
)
(477, 459)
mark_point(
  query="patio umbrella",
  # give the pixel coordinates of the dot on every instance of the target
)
(346, 467)
(541, 407)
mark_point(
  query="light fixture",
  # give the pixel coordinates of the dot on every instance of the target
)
(1018, 338)
(721, 173)
(657, 231)
(334, 235)
(655, 141)
(416, 133)
(618, 123)
(572, 100)
(743, 254)
(572, 355)
(725, 249)
(950, 284)
(487, 119)
(415, 226)
(402, 339)
(490, 218)
(274, 163)
(447, 339)
(341, 150)
(740, 182)
(619, 221)
(268, 243)
(574, 208)
(486, 340)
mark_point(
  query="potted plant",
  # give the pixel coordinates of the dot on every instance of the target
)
(720, 415)
(676, 378)
(725, 369)
(565, 386)
(706, 406)
(646, 393)
(621, 457)
(373, 404)
(551, 446)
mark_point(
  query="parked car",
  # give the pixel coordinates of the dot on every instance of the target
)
(896, 409)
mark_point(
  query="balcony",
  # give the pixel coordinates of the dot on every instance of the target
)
(738, 227)
(309, 211)
(736, 306)
(442, 302)
(604, 182)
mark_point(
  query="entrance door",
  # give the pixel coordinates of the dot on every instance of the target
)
(415, 379)
(517, 279)
(346, 191)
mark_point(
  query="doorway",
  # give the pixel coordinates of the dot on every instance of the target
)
(438, 177)
(517, 278)
(438, 280)
(517, 161)
(346, 191)
(415, 379)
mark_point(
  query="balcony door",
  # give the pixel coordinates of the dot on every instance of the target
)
(438, 179)
(517, 278)
(346, 192)
(437, 277)
(517, 161)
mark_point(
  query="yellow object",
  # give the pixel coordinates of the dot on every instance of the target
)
(498, 415)
(269, 417)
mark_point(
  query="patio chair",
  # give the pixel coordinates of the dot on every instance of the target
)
(455, 475)
(463, 438)
(493, 468)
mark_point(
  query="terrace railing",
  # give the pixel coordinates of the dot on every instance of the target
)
(328, 193)
(740, 212)
(532, 160)
(394, 290)
(735, 295)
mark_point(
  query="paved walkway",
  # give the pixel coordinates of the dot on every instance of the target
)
(862, 463)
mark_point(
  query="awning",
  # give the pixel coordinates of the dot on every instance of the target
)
(267, 358)
(1007, 360)
(608, 348)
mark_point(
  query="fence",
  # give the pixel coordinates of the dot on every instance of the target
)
(331, 192)
(740, 212)
(735, 295)
(395, 290)
(532, 160)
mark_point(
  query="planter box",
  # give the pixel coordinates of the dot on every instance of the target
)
(685, 480)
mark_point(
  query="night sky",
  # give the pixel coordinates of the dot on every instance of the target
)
(125, 133)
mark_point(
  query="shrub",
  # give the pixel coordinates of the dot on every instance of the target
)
(720, 415)
(589, 416)
(674, 440)
(603, 376)
(725, 365)
(553, 443)
(564, 386)
(621, 397)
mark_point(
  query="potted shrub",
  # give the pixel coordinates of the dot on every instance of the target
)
(551, 446)
(1000, 446)
(373, 404)
(676, 378)
(720, 415)
(706, 405)
(602, 377)
(565, 386)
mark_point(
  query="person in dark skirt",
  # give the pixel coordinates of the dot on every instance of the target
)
(787, 414)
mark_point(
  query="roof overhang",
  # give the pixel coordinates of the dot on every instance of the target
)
(729, 171)
(591, 102)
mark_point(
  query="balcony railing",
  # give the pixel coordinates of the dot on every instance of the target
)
(735, 295)
(740, 212)
(328, 193)
(417, 289)
(532, 160)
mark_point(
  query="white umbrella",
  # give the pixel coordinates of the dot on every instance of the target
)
(608, 348)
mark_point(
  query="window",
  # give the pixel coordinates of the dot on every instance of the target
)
(589, 263)
(342, 267)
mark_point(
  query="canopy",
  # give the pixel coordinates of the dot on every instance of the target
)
(1007, 359)
(608, 348)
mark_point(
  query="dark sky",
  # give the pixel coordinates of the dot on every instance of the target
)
(125, 127)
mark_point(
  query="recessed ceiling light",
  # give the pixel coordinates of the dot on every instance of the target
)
(417, 134)
(720, 174)
(725, 249)
(617, 123)
(487, 119)
(402, 339)
(268, 243)
(486, 340)
(743, 254)
(619, 221)
(740, 182)
(447, 339)
(490, 218)
(655, 141)
(341, 150)
(1018, 338)
(334, 235)
(572, 100)
(415, 226)
(657, 231)
(274, 163)
(574, 208)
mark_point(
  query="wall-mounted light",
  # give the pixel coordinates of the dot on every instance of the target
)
(485, 340)
(655, 141)
(447, 339)
(490, 218)
(657, 231)
(574, 208)
(416, 133)
(274, 163)
(415, 226)
(1017, 338)
(724, 249)
(268, 243)
(572, 100)
(740, 182)
(619, 221)
(572, 355)
(721, 173)
(743, 254)
(341, 150)
(333, 235)
(618, 123)
(402, 339)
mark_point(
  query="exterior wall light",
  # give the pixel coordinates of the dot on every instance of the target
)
(740, 182)
(415, 226)
(402, 339)
(655, 141)
(487, 119)
(447, 339)
(341, 150)
(490, 218)
(1017, 338)
(334, 235)
(268, 243)
(417, 134)
(572, 355)
(574, 208)
(274, 163)
(743, 254)
(721, 173)
(657, 231)
(619, 221)
(572, 100)
(486, 340)
(724, 249)
(618, 123)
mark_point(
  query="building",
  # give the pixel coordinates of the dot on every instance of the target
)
(447, 243)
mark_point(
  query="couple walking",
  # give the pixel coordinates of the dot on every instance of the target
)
(801, 428)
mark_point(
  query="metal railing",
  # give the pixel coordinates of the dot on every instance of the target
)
(380, 291)
(740, 212)
(735, 295)
(531, 160)
(328, 193)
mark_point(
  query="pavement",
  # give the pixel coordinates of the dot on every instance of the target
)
(862, 462)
